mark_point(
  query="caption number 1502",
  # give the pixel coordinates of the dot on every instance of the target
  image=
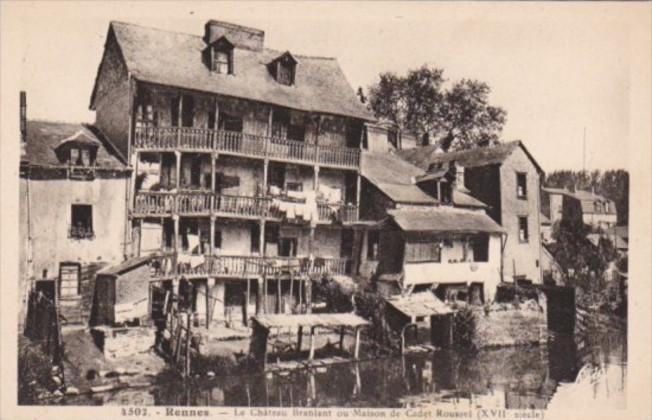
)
(133, 411)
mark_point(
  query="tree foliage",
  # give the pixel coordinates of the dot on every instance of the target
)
(612, 184)
(456, 118)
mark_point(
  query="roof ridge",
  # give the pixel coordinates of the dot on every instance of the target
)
(153, 28)
(44, 120)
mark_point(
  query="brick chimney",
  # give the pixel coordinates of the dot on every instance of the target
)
(23, 123)
(239, 36)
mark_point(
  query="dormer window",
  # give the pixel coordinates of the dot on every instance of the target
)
(283, 69)
(78, 150)
(219, 56)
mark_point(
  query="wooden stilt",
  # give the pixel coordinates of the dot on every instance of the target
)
(311, 354)
(342, 332)
(356, 352)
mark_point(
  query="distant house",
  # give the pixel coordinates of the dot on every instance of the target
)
(592, 209)
(430, 233)
(73, 190)
(507, 178)
(384, 136)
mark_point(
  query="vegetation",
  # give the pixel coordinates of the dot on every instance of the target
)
(612, 184)
(456, 118)
(34, 371)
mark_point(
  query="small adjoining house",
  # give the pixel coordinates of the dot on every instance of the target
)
(429, 232)
(246, 162)
(593, 209)
(384, 136)
(507, 178)
(73, 187)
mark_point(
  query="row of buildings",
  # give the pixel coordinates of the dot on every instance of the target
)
(247, 172)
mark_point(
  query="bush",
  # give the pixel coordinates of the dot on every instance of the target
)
(34, 371)
(464, 329)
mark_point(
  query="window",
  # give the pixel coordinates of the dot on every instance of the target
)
(284, 75)
(523, 235)
(188, 111)
(217, 239)
(81, 226)
(423, 251)
(373, 240)
(295, 186)
(480, 246)
(287, 247)
(255, 238)
(69, 275)
(74, 156)
(521, 185)
(606, 207)
(446, 193)
(85, 157)
(221, 63)
(230, 123)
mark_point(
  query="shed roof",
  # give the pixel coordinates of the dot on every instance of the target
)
(462, 199)
(444, 220)
(310, 320)
(43, 138)
(124, 266)
(175, 59)
(425, 156)
(420, 304)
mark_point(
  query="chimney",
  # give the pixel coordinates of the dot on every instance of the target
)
(23, 122)
(459, 177)
(239, 36)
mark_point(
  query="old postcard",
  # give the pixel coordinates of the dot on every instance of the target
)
(340, 210)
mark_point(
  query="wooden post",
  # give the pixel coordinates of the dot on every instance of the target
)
(133, 178)
(177, 156)
(213, 159)
(210, 283)
(357, 194)
(356, 351)
(342, 332)
(308, 290)
(176, 235)
(279, 295)
(261, 239)
(264, 292)
(217, 114)
(311, 355)
(439, 191)
(211, 239)
(259, 295)
(316, 179)
(179, 120)
(246, 311)
(188, 338)
(265, 175)
(140, 236)
(291, 288)
(299, 338)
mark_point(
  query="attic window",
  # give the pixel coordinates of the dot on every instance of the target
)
(220, 56)
(284, 69)
(222, 62)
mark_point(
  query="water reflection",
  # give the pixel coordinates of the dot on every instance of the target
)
(516, 377)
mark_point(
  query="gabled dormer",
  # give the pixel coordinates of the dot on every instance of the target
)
(218, 56)
(283, 69)
(77, 150)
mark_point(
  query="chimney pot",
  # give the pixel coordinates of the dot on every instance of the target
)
(240, 36)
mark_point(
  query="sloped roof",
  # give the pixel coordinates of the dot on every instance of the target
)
(394, 177)
(43, 138)
(175, 59)
(420, 304)
(587, 200)
(425, 156)
(462, 199)
(124, 266)
(444, 220)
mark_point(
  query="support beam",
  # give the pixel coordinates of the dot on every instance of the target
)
(261, 240)
(247, 297)
(316, 179)
(356, 351)
(140, 237)
(265, 175)
(270, 121)
(279, 296)
(175, 218)
(177, 156)
(358, 192)
(217, 114)
(299, 338)
(179, 120)
(259, 296)
(264, 293)
(134, 177)
(342, 332)
(210, 305)
(311, 354)
(211, 239)
(213, 159)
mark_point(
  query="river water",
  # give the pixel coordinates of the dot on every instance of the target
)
(514, 377)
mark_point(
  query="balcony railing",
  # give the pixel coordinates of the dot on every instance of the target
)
(202, 139)
(160, 203)
(172, 265)
(345, 213)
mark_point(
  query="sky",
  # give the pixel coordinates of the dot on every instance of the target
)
(557, 69)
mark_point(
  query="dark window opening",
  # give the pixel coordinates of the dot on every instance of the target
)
(217, 239)
(277, 175)
(521, 185)
(523, 234)
(174, 111)
(373, 241)
(295, 186)
(188, 111)
(146, 116)
(296, 132)
(255, 238)
(211, 116)
(287, 247)
(81, 226)
(285, 73)
(480, 245)
(346, 248)
(230, 123)
(446, 192)
(271, 234)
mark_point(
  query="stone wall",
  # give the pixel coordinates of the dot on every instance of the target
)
(121, 342)
(504, 324)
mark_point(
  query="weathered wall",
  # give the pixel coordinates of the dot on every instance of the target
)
(506, 325)
(447, 271)
(236, 237)
(327, 242)
(373, 203)
(334, 180)
(484, 184)
(51, 202)
(113, 97)
(521, 258)
(250, 175)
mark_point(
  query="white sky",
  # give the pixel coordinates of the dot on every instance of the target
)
(556, 68)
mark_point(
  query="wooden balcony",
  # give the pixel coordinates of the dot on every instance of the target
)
(241, 144)
(343, 213)
(170, 265)
(205, 203)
